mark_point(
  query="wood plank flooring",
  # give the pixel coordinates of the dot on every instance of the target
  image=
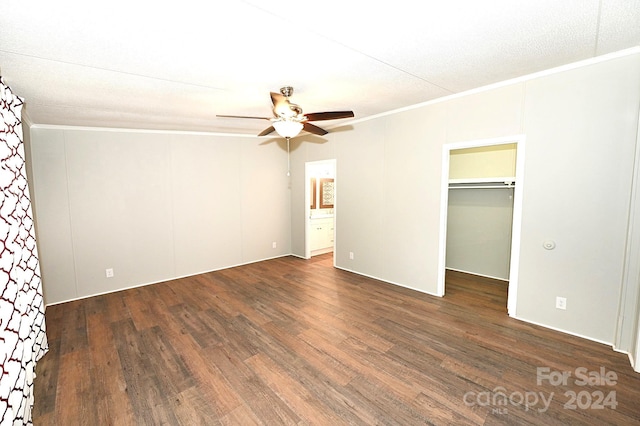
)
(297, 342)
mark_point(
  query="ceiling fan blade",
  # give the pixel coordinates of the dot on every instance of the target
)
(313, 129)
(242, 116)
(277, 99)
(330, 115)
(266, 131)
(283, 108)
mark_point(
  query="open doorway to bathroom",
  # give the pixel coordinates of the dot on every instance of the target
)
(320, 209)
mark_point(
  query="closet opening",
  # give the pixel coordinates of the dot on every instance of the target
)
(481, 211)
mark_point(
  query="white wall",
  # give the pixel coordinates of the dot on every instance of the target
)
(580, 126)
(483, 162)
(581, 129)
(152, 206)
(479, 231)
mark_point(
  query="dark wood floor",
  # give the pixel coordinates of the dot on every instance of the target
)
(293, 341)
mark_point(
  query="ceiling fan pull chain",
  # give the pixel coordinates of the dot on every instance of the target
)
(288, 158)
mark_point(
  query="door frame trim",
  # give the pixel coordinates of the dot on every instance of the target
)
(516, 226)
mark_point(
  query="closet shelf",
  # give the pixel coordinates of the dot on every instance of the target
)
(489, 183)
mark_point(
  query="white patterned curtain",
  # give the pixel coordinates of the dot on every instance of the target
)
(23, 339)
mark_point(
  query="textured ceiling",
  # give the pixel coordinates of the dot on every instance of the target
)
(174, 66)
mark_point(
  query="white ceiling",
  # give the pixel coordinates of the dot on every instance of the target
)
(174, 66)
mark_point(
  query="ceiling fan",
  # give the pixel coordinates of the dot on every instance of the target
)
(288, 119)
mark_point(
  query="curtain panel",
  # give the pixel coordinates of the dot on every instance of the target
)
(23, 339)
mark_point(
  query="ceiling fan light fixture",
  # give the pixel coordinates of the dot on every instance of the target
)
(287, 128)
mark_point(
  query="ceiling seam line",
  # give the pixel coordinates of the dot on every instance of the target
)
(355, 50)
(597, 34)
(111, 70)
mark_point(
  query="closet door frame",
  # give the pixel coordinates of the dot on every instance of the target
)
(519, 140)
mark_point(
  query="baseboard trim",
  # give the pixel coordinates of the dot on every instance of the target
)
(603, 342)
(387, 281)
(165, 280)
(478, 275)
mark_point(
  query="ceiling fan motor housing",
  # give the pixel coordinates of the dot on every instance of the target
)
(286, 91)
(286, 109)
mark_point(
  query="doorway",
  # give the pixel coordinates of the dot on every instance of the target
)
(320, 207)
(514, 184)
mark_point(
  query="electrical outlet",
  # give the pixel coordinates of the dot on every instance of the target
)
(561, 302)
(109, 272)
(351, 255)
(274, 245)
